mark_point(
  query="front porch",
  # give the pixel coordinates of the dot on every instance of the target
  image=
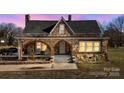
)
(39, 51)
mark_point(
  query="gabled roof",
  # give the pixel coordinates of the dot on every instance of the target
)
(80, 26)
(35, 26)
(85, 26)
(62, 19)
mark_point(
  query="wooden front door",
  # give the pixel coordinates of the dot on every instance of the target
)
(62, 48)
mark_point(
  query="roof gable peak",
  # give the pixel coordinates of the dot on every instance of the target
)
(61, 19)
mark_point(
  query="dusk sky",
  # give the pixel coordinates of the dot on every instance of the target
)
(19, 19)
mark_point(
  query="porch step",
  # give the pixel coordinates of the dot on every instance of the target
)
(62, 58)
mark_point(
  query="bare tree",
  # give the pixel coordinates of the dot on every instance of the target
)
(115, 37)
(9, 31)
(115, 30)
(117, 24)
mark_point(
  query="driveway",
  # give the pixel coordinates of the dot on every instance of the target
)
(27, 67)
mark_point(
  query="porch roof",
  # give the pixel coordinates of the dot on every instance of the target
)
(78, 38)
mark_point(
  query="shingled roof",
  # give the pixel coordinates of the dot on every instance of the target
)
(80, 26)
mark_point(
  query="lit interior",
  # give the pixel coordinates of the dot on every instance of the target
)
(89, 46)
(38, 45)
(81, 46)
(96, 46)
(41, 46)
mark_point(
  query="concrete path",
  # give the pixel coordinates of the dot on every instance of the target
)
(28, 67)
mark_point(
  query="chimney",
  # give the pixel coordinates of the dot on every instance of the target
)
(27, 18)
(69, 17)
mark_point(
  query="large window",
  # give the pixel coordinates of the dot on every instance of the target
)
(61, 29)
(89, 46)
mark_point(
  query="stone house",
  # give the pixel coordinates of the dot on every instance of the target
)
(80, 39)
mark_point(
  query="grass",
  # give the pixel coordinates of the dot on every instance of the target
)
(116, 56)
(85, 71)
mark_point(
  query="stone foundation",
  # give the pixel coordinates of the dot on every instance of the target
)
(90, 58)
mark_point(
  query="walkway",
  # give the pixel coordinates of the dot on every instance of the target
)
(27, 67)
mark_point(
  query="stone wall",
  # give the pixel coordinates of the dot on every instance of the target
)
(90, 58)
(74, 45)
(94, 57)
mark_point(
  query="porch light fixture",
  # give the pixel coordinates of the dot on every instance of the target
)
(2, 41)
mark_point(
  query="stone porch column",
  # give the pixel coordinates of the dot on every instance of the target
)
(19, 50)
(52, 55)
(74, 52)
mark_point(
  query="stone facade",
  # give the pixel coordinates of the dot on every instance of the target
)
(74, 47)
(72, 43)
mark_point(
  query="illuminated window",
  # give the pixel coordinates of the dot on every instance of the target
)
(61, 29)
(81, 46)
(41, 46)
(38, 45)
(96, 46)
(89, 46)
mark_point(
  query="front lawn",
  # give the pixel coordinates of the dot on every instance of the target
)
(116, 56)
